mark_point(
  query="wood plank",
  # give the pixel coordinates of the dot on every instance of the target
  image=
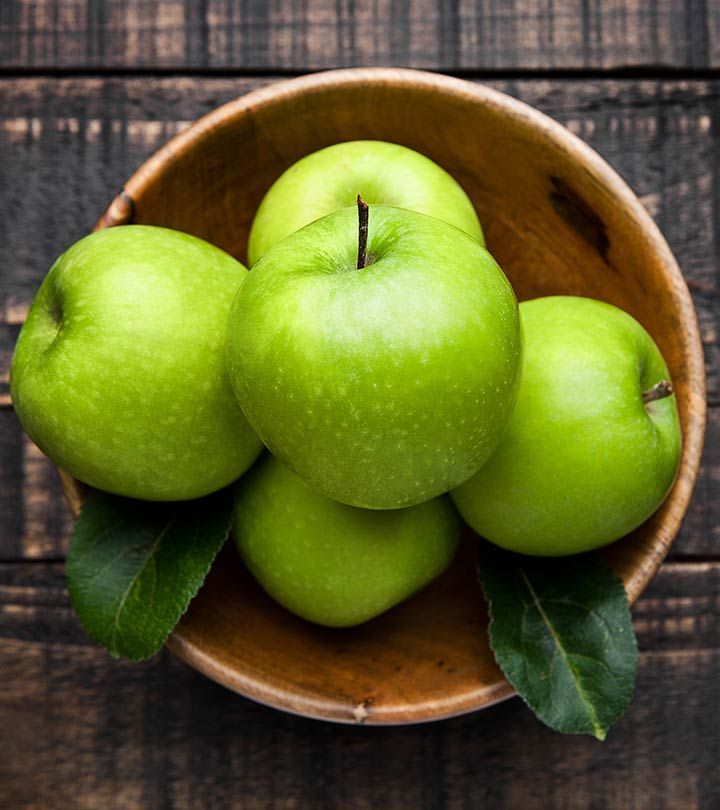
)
(35, 523)
(67, 145)
(464, 34)
(94, 732)
(34, 519)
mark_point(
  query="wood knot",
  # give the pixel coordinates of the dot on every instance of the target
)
(580, 216)
(362, 711)
(121, 211)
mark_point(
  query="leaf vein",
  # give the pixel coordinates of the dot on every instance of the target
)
(136, 576)
(594, 719)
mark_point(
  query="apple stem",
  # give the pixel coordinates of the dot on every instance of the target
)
(363, 216)
(658, 391)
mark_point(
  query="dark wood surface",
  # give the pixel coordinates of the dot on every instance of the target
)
(311, 34)
(79, 730)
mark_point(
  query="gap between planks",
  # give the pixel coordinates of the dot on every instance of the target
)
(634, 73)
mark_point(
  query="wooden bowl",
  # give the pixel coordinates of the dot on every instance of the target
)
(557, 218)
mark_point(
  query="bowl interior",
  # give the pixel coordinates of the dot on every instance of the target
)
(557, 219)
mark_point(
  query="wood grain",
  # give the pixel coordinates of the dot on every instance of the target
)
(458, 35)
(95, 732)
(67, 145)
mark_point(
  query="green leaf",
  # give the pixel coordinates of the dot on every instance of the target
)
(562, 633)
(134, 566)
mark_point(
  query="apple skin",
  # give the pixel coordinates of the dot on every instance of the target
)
(118, 374)
(381, 387)
(584, 460)
(380, 172)
(334, 564)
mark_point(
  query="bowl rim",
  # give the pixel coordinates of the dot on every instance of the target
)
(121, 211)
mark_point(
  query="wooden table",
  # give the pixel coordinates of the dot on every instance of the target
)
(88, 89)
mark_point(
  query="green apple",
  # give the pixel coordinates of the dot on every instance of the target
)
(119, 375)
(380, 172)
(593, 445)
(334, 564)
(381, 382)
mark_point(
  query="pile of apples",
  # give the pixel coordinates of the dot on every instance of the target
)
(377, 350)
